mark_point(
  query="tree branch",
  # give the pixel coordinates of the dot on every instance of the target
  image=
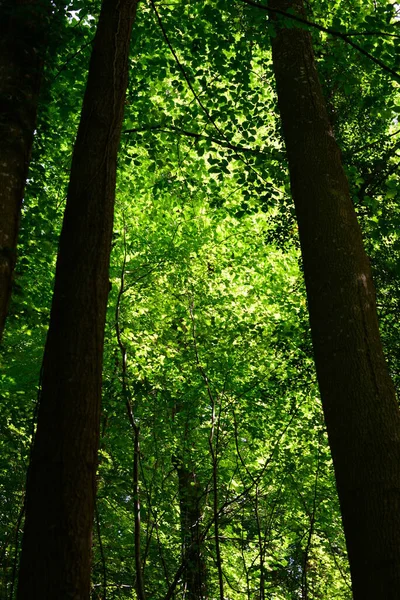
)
(341, 35)
(199, 136)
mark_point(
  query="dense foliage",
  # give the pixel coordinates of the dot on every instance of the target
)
(208, 353)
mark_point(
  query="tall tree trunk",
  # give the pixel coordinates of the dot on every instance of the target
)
(195, 574)
(24, 27)
(189, 492)
(361, 411)
(61, 487)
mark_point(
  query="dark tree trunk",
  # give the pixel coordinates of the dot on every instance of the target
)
(358, 397)
(189, 502)
(24, 26)
(61, 487)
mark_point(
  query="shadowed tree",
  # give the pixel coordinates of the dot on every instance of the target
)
(195, 574)
(24, 26)
(61, 486)
(358, 397)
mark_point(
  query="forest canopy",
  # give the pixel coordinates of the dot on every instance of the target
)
(210, 456)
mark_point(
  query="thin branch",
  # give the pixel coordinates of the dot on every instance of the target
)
(114, 585)
(214, 455)
(138, 562)
(341, 35)
(256, 511)
(15, 559)
(101, 548)
(71, 58)
(238, 449)
(182, 70)
(199, 136)
(371, 33)
(234, 588)
(23, 506)
(149, 533)
(312, 523)
(136, 433)
(339, 568)
(246, 570)
(196, 96)
(155, 520)
(380, 141)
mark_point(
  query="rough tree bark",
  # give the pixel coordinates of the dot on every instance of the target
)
(358, 397)
(61, 486)
(24, 27)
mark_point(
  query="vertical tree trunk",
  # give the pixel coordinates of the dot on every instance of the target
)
(23, 32)
(195, 574)
(361, 411)
(61, 487)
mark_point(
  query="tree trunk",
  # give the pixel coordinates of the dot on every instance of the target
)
(358, 396)
(61, 487)
(24, 26)
(190, 513)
